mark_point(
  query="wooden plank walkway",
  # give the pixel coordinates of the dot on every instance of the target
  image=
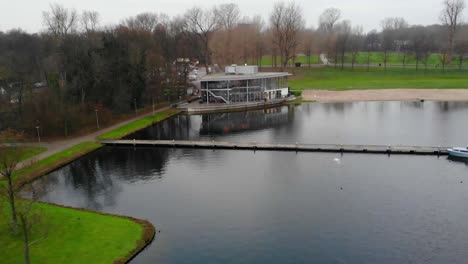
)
(376, 149)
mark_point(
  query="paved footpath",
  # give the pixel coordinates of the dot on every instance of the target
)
(386, 95)
(58, 146)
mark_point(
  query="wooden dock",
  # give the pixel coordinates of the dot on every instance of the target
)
(372, 149)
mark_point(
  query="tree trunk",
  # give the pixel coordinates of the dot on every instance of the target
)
(385, 60)
(353, 60)
(342, 58)
(404, 60)
(460, 65)
(83, 96)
(368, 61)
(336, 56)
(24, 224)
(11, 200)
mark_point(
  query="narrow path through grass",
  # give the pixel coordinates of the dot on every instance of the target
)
(139, 124)
(328, 78)
(77, 235)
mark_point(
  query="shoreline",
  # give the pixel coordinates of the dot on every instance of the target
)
(35, 168)
(453, 95)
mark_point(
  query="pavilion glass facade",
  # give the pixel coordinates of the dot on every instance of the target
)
(248, 90)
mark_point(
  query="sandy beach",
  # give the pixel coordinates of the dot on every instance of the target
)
(386, 95)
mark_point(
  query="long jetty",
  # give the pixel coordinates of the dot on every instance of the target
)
(371, 149)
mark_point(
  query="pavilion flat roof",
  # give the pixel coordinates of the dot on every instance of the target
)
(239, 77)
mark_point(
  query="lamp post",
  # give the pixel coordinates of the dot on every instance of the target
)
(135, 104)
(97, 118)
(38, 134)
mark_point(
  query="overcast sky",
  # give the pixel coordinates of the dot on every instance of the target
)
(27, 14)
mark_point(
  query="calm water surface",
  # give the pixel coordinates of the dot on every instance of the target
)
(281, 207)
(381, 123)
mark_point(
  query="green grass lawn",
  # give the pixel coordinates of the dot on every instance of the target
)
(138, 125)
(26, 152)
(43, 166)
(29, 152)
(66, 235)
(75, 235)
(268, 60)
(393, 58)
(329, 78)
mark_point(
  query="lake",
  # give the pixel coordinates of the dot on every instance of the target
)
(228, 206)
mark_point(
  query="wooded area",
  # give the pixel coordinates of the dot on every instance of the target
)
(57, 81)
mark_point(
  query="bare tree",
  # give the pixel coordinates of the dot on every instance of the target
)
(259, 25)
(371, 43)
(10, 156)
(355, 43)
(146, 22)
(286, 23)
(327, 21)
(308, 44)
(418, 43)
(390, 28)
(228, 16)
(450, 18)
(29, 221)
(202, 24)
(461, 48)
(90, 21)
(343, 35)
(59, 20)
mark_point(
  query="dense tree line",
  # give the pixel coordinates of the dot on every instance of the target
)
(83, 69)
(57, 79)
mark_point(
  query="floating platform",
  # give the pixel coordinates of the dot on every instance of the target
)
(372, 149)
(200, 108)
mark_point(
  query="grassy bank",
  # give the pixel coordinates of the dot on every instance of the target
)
(39, 168)
(375, 58)
(77, 235)
(336, 79)
(27, 152)
(73, 235)
(65, 235)
(138, 125)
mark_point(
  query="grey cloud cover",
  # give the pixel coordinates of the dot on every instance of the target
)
(27, 14)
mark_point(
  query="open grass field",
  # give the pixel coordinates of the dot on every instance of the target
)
(375, 58)
(28, 152)
(64, 235)
(138, 124)
(67, 235)
(329, 78)
(43, 166)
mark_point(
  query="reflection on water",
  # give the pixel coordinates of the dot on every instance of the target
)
(219, 206)
(381, 123)
(209, 126)
(237, 122)
(458, 159)
(276, 207)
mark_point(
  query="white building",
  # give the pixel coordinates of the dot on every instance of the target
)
(244, 84)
